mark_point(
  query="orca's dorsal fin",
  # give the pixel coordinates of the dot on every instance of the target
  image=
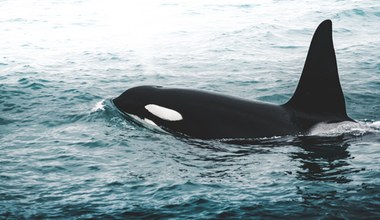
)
(319, 92)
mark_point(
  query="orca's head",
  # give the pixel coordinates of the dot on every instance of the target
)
(134, 100)
(148, 103)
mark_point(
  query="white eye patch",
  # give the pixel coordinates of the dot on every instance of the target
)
(164, 113)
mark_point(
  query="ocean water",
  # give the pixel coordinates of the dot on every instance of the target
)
(66, 152)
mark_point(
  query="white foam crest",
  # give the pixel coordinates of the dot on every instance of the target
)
(99, 106)
(346, 127)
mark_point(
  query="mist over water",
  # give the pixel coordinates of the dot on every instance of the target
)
(66, 152)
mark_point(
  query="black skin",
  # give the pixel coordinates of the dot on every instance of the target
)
(318, 98)
(208, 115)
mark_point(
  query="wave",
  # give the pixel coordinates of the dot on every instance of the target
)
(99, 106)
(341, 128)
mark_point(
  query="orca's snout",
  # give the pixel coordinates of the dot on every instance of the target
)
(127, 102)
(133, 100)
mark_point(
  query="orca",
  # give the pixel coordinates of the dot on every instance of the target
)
(318, 98)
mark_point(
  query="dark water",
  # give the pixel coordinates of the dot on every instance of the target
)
(66, 152)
